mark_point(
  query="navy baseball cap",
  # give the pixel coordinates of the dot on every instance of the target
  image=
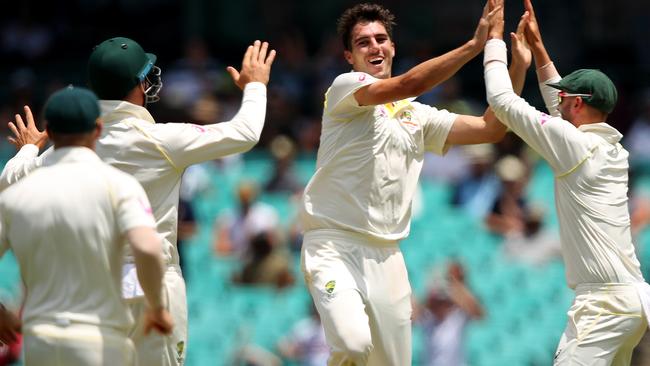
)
(590, 81)
(72, 110)
(117, 65)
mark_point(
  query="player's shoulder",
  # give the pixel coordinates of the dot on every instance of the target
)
(352, 78)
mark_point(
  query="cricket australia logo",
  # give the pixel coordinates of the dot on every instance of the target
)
(407, 120)
(180, 347)
(329, 286)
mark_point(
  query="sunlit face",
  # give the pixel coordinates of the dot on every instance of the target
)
(569, 105)
(372, 50)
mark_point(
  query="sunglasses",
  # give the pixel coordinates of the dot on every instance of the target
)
(562, 94)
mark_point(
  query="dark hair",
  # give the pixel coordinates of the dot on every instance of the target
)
(363, 13)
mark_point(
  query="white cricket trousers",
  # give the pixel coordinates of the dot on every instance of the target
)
(361, 290)
(155, 349)
(50, 344)
(605, 323)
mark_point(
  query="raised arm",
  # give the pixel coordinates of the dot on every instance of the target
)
(487, 128)
(545, 68)
(428, 74)
(28, 140)
(188, 144)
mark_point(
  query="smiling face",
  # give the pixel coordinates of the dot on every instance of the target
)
(372, 50)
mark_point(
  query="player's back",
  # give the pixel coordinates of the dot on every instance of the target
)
(61, 224)
(133, 145)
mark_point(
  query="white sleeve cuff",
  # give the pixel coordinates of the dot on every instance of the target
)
(255, 87)
(495, 50)
(28, 151)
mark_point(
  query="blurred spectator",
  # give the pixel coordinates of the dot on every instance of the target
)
(234, 231)
(265, 263)
(510, 214)
(448, 309)
(637, 139)
(305, 343)
(284, 178)
(450, 169)
(476, 192)
(193, 76)
(522, 226)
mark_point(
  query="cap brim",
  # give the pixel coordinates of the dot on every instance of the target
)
(555, 85)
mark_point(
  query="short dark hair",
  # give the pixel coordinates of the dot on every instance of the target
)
(363, 13)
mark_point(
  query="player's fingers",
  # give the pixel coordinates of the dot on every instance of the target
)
(28, 116)
(13, 128)
(522, 23)
(247, 56)
(528, 5)
(269, 60)
(493, 13)
(263, 50)
(19, 122)
(234, 74)
(256, 51)
(12, 141)
(485, 9)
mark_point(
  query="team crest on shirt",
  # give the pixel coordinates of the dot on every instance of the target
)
(329, 286)
(406, 118)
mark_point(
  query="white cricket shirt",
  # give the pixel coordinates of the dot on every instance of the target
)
(591, 182)
(157, 154)
(369, 161)
(65, 224)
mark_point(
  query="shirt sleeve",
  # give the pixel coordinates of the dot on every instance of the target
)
(436, 124)
(560, 143)
(187, 144)
(340, 102)
(21, 165)
(548, 74)
(131, 205)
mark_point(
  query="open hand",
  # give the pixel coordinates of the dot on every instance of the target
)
(25, 134)
(533, 36)
(521, 54)
(492, 12)
(256, 65)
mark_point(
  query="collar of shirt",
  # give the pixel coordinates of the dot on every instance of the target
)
(602, 129)
(71, 155)
(115, 110)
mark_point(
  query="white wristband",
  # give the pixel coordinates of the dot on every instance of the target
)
(495, 50)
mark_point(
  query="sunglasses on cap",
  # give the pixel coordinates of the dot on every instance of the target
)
(563, 94)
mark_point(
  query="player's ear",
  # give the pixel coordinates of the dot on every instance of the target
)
(99, 125)
(348, 56)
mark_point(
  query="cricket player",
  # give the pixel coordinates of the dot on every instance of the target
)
(125, 78)
(67, 225)
(607, 317)
(357, 206)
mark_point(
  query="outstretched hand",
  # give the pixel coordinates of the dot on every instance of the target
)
(533, 35)
(489, 19)
(25, 134)
(521, 53)
(256, 65)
